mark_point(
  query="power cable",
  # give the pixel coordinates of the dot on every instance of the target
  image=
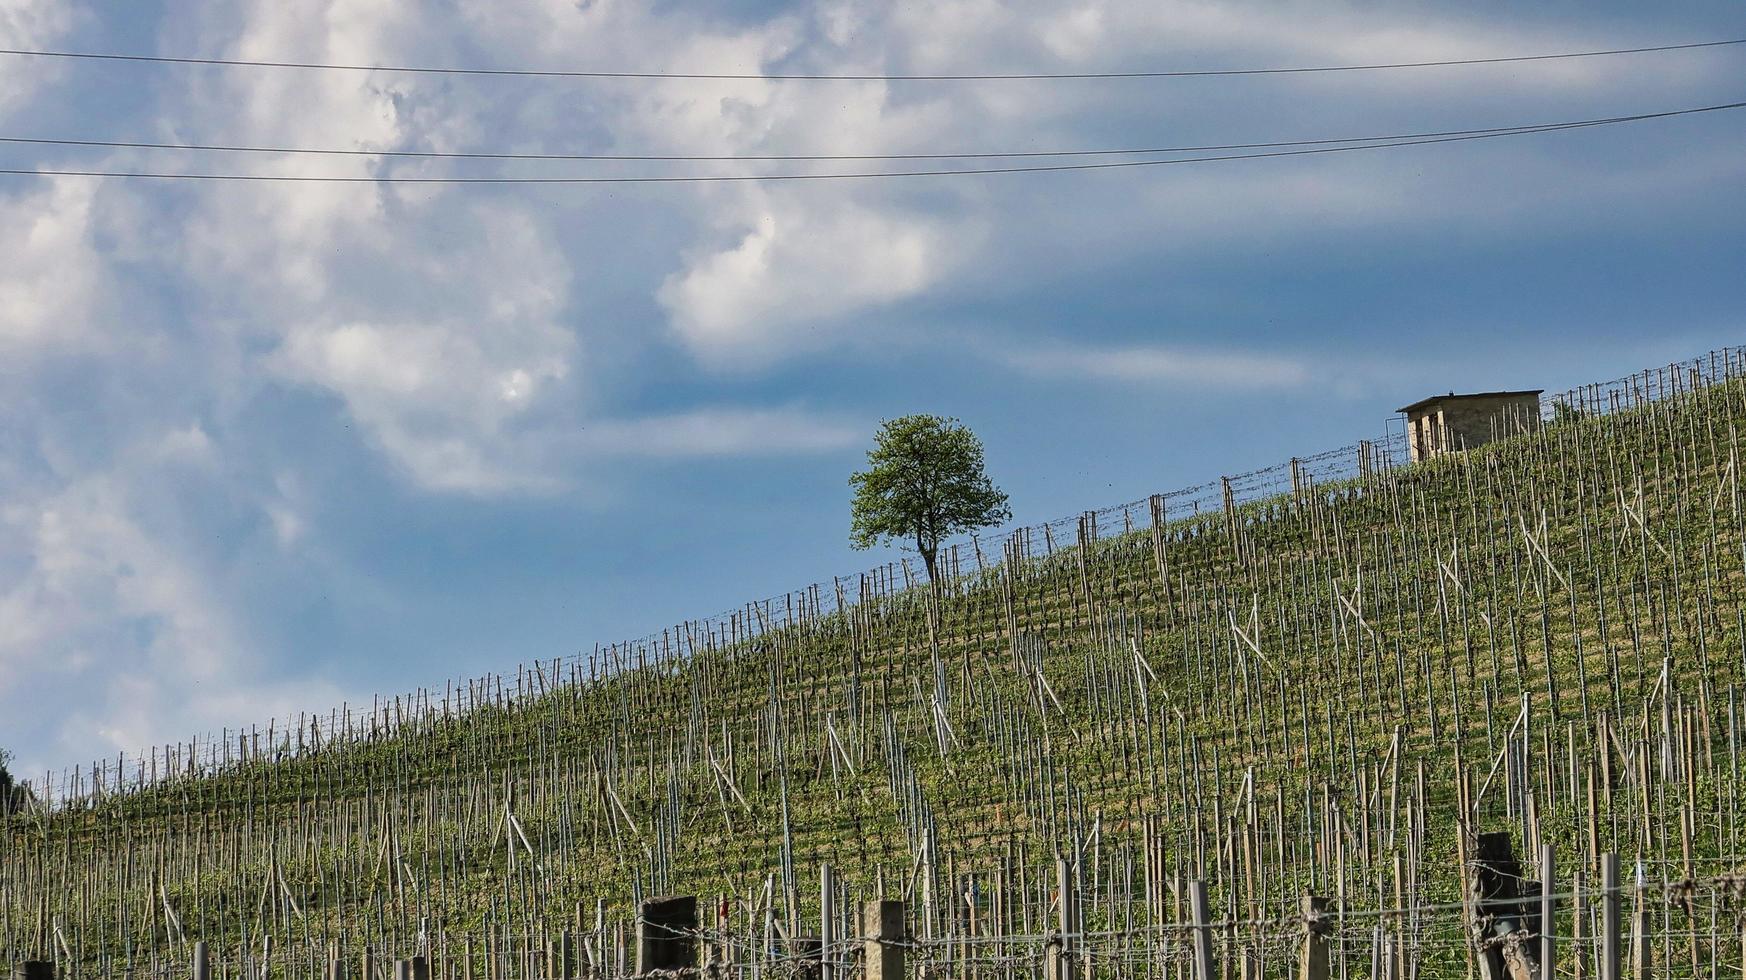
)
(695, 158)
(821, 77)
(733, 178)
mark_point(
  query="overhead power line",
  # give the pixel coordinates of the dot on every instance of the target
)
(942, 172)
(825, 157)
(830, 77)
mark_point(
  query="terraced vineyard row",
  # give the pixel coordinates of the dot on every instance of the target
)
(1332, 689)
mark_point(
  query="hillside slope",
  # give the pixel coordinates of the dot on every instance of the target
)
(1311, 693)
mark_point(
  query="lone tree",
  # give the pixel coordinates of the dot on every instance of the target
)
(924, 482)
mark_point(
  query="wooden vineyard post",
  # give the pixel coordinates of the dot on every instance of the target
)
(882, 945)
(1160, 551)
(417, 968)
(202, 962)
(565, 958)
(1642, 953)
(1488, 883)
(1548, 913)
(1609, 958)
(1062, 950)
(806, 957)
(827, 888)
(1313, 965)
(1501, 916)
(1230, 496)
(666, 929)
(1203, 940)
(1577, 911)
(597, 951)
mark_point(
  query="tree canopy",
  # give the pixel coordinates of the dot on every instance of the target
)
(924, 482)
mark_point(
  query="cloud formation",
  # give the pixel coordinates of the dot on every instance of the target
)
(110, 628)
(789, 280)
(1150, 364)
(29, 24)
(718, 432)
(204, 377)
(52, 277)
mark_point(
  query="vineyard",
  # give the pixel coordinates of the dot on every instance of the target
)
(1344, 717)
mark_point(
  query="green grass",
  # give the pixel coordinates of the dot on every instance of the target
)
(1240, 757)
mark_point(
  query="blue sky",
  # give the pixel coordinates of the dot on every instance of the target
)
(265, 448)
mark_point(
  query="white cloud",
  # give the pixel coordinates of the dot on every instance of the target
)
(438, 397)
(784, 270)
(51, 276)
(798, 267)
(717, 432)
(1148, 364)
(190, 444)
(1200, 34)
(771, 270)
(110, 637)
(435, 315)
(29, 24)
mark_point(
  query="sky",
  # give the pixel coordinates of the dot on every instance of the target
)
(270, 447)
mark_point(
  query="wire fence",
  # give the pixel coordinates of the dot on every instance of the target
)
(1688, 927)
(1331, 712)
(966, 564)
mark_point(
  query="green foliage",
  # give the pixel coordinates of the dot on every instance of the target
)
(924, 482)
(1563, 412)
(1394, 620)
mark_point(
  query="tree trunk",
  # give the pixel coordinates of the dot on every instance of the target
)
(929, 556)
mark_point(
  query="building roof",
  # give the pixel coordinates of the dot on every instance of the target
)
(1452, 397)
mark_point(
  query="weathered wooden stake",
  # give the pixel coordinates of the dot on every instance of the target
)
(1548, 912)
(202, 962)
(1203, 939)
(666, 930)
(1642, 952)
(1492, 889)
(1609, 958)
(882, 931)
(1313, 965)
(827, 911)
(1060, 963)
(564, 963)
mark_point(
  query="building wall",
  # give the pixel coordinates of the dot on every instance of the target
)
(1454, 424)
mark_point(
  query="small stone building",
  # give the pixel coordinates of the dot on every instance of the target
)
(1450, 423)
